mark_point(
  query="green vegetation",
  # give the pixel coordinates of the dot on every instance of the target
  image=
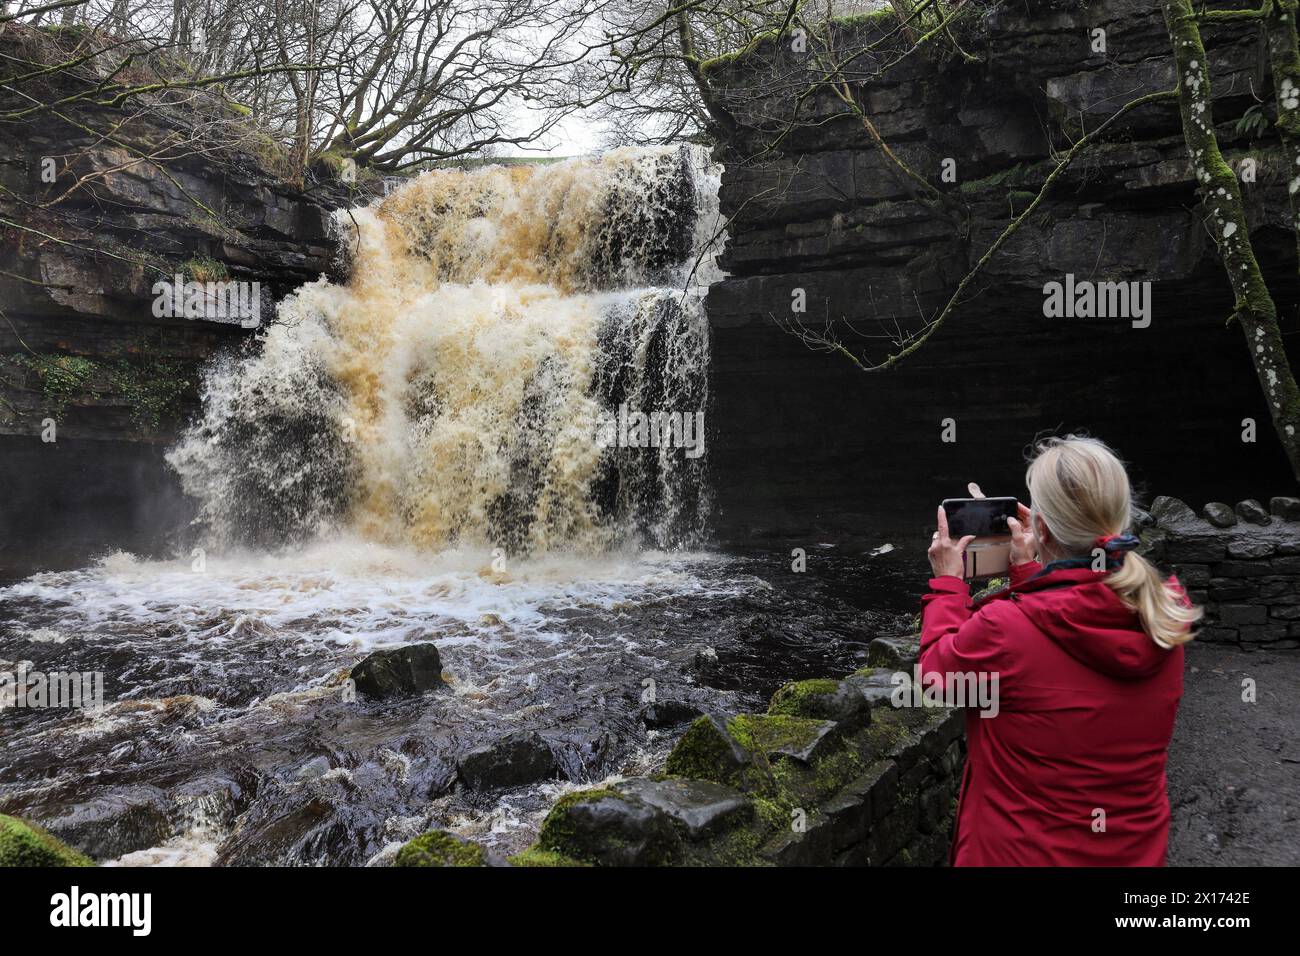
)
(536, 856)
(764, 733)
(25, 844)
(885, 17)
(654, 843)
(62, 378)
(727, 59)
(439, 848)
(799, 698)
(741, 753)
(557, 829)
(204, 269)
(153, 389)
(1253, 123)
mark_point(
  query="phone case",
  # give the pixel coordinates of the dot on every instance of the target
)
(986, 558)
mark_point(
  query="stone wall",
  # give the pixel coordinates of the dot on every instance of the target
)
(1242, 564)
(832, 775)
(802, 439)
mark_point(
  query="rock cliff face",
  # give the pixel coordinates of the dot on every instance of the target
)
(803, 439)
(98, 205)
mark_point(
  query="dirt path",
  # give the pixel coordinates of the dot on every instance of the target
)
(1234, 767)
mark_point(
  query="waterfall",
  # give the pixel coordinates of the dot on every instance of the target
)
(499, 328)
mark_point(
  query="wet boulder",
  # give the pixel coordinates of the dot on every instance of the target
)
(705, 664)
(399, 672)
(518, 758)
(25, 844)
(609, 828)
(1253, 512)
(1285, 507)
(900, 651)
(1173, 514)
(668, 713)
(700, 807)
(116, 822)
(313, 769)
(1219, 514)
(875, 684)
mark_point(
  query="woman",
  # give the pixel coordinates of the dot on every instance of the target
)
(1071, 770)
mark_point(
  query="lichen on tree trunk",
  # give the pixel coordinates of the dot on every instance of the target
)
(1254, 308)
(1284, 57)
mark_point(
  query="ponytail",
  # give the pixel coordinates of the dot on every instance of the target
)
(1165, 611)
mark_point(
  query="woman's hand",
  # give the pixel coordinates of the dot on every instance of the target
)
(1024, 547)
(946, 554)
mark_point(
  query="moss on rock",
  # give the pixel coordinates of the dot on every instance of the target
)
(775, 733)
(608, 828)
(740, 752)
(707, 751)
(25, 844)
(557, 828)
(835, 700)
(440, 848)
(794, 697)
(536, 856)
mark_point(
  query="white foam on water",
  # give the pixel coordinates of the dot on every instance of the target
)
(360, 594)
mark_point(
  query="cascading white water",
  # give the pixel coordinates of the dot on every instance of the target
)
(450, 392)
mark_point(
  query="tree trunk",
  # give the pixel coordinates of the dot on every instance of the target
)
(1221, 195)
(1284, 57)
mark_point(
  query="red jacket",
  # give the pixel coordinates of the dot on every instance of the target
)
(1086, 705)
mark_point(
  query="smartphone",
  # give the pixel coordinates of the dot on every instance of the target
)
(986, 518)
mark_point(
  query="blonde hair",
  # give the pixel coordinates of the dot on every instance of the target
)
(1080, 490)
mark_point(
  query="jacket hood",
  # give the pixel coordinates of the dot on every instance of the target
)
(1075, 608)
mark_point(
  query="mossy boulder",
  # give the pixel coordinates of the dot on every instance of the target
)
(740, 752)
(25, 844)
(895, 653)
(440, 848)
(833, 700)
(779, 735)
(609, 828)
(708, 751)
